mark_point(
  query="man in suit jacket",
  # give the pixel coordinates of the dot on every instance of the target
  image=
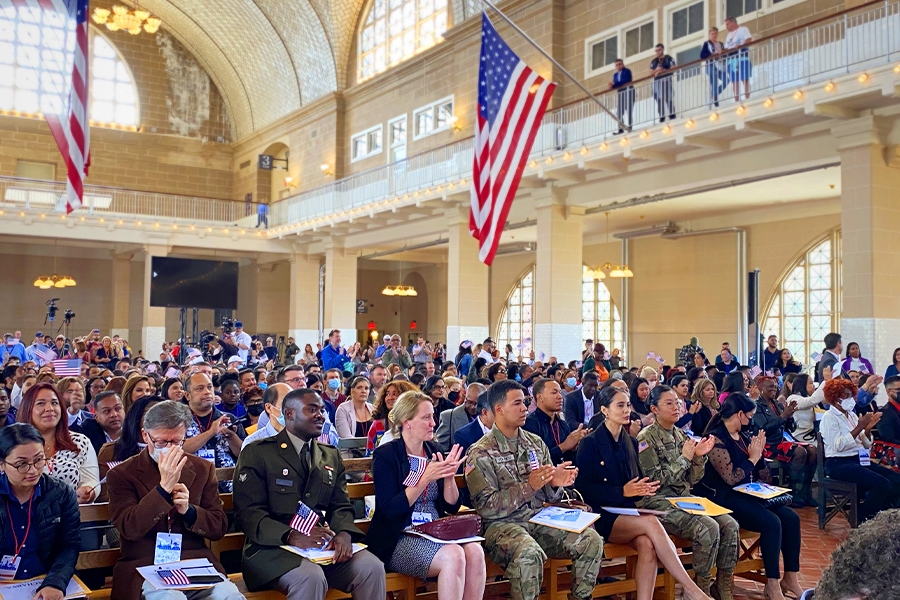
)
(581, 399)
(834, 345)
(106, 426)
(273, 476)
(164, 490)
(889, 425)
(452, 420)
(625, 96)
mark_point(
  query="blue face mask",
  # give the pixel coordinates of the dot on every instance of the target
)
(571, 382)
(263, 384)
(518, 377)
(280, 419)
(334, 384)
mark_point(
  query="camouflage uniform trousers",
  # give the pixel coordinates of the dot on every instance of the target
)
(715, 539)
(522, 548)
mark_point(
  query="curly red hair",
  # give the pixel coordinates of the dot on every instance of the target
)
(835, 390)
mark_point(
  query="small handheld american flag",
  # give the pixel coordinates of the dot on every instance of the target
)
(45, 355)
(533, 461)
(305, 519)
(755, 371)
(816, 356)
(417, 466)
(67, 367)
(173, 577)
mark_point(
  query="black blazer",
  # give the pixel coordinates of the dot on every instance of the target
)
(91, 428)
(889, 426)
(573, 408)
(467, 436)
(390, 466)
(600, 479)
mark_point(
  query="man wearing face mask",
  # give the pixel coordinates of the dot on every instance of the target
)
(578, 407)
(333, 387)
(272, 478)
(454, 419)
(272, 400)
(164, 491)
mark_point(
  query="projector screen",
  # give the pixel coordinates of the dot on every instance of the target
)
(189, 283)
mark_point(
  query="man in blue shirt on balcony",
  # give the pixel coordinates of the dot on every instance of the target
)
(262, 215)
(333, 356)
(625, 95)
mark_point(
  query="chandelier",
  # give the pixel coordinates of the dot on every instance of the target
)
(614, 271)
(131, 21)
(45, 282)
(399, 290)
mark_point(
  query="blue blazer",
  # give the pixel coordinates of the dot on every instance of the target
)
(467, 435)
(599, 479)
(622, 77)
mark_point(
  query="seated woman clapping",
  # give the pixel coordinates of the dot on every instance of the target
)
(609, 475)
(41, 524)
(401, 502)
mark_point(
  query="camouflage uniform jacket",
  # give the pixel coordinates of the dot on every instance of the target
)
(659, 453)
(497, 477)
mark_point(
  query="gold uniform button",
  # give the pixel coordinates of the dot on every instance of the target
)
(604, 479)
(283, 445)
(602, 464)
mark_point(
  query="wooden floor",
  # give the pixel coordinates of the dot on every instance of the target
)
(815, 554)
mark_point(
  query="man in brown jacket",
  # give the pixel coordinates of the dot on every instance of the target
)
(165, 490)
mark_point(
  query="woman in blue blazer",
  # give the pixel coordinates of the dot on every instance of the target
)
(400, 502)
(609, 475)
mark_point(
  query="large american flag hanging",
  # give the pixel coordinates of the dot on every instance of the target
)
(511, 103)
(63, 101)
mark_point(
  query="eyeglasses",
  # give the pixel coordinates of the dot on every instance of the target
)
(160, 444)
(23, 468)
(501, 370)
(294, 380)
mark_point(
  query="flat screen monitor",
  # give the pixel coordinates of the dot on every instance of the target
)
(190, 283)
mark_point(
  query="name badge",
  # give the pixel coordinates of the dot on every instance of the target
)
(864, 457)
(8, 566)
(168, 548)
(418, 518)
(504, 459)
(207, 454)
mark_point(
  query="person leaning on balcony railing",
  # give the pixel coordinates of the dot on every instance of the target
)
(739, 67)
(711, 52)
(663, 83)
(625, 96)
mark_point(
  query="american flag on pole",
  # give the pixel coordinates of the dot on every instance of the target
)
(511, 103)
(173, 577)
(62, 25)
(417, 466)
(305, 519)
(67, 367)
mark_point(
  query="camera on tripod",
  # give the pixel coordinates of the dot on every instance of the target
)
(51, 309)
(228, 325)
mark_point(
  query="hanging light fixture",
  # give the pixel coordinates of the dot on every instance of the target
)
(132, 21)
(613, 270)
(399, 290)
(45, 282)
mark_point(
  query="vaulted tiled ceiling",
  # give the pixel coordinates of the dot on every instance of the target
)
(267, 57)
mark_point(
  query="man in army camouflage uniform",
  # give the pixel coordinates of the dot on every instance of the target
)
(669, 456)
(507, 492)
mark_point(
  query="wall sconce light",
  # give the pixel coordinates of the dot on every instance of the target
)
(289, 182)
(326, 169)
(455, 127)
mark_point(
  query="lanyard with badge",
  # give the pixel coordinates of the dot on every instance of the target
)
(208, 454)
(10, 564)
(168, 545)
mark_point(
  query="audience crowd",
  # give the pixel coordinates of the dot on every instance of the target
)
(91, 421)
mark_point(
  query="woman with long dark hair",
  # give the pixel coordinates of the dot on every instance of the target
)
(734, 459)
(609, 474)
(638, 393)
(894, 367)
(786, 363)
(734, 383)
(463, 359)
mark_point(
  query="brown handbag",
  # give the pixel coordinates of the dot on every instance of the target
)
(454, 527)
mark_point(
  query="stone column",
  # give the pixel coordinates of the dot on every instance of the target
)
(557, 286)
(467, 285)
(121, 294)
(870, 226)
(153, 328)
(303, 312)
(340, 290)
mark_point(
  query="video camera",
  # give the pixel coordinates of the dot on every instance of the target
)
(228, 325)
(51, 309)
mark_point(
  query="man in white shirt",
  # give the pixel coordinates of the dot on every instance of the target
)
(242, 340)
(739, 68)
(486, 348)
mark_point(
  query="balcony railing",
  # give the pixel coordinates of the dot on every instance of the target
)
(32, 194)
(850, 41)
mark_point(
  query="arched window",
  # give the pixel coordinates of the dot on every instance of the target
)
(599, 316)
(394, 30)
(33, 69)
(805, 304)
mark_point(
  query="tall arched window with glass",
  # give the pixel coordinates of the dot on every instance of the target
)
(599, 316)
(805, 305)
(516, 322)
(34, 70)
(395, 30)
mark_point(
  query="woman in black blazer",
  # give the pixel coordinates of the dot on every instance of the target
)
(609, 475)
(400, 502)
